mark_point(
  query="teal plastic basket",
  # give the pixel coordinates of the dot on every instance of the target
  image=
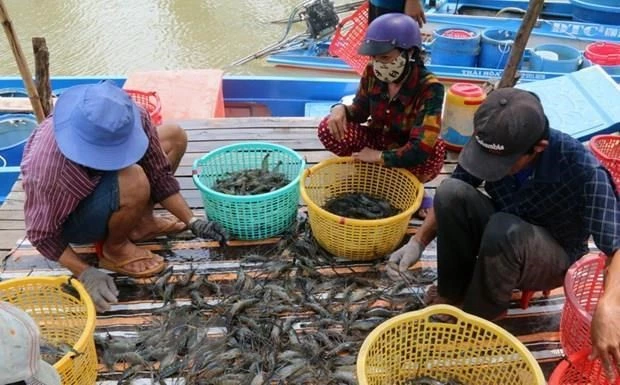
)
(250, 216)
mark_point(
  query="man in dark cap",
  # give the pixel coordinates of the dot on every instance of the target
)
(546, 195)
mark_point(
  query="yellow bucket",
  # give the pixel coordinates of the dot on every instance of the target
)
(62, 318)
(359, 239)
(472, 351)
(462, 101)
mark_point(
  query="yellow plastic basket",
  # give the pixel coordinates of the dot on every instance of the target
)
(472, 351)
(359, 239)
(62, 318)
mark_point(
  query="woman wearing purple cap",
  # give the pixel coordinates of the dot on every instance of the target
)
(395, 117)
(91, 173)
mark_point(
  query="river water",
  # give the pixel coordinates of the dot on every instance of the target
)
(115, 37)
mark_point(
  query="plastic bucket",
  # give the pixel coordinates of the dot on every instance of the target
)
(605, 54)
(555, 58)
(596, 11)
(14, 132)
(455, 47)
(495, 48)
(462, 101)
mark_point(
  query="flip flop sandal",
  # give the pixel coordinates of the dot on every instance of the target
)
(168, 230)
(119, 266)
(427, 203)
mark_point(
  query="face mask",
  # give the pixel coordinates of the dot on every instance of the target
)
(390, 72)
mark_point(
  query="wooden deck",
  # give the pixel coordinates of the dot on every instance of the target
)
(537, 326)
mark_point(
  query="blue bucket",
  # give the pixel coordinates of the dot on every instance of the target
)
(596, 11)
(495, 48)
(14, 132)
(455, 46)
(555, 58)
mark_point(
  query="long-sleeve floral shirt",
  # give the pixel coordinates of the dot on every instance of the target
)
(411, 121)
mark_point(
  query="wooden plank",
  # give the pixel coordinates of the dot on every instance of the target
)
(8, 239)
(241, 135)
(295, 143)
(250, 122)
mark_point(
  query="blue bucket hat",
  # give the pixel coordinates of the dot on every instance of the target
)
(99, 126)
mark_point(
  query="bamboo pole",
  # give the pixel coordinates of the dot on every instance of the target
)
(22, 65)
(509, 77)
(42, 73)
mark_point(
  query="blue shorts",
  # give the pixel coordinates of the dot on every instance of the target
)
(89, 222)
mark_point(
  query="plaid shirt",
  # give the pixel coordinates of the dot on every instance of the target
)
(410, 122)
(569, 193)
(54, 185)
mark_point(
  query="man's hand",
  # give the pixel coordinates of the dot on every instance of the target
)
(101, 288)
(402, 259)
(414, 9)
(337, 122)
(369, 155)
(605, 334)
(208, 230)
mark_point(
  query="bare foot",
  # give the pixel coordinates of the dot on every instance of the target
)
(421, 214)
(151, 227)
(432, 297)
(127, 251)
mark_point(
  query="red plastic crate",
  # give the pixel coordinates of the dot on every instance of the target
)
(349, 36)
(149, 100)
(606, 148)
(578, 370)
(583, 286)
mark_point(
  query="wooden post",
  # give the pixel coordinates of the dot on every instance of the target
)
(22, 65)
(509, 77)
(42, 73)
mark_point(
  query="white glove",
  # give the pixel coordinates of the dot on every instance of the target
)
(101, 288)
(402, 259)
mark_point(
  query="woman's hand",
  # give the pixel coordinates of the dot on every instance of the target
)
(369, 155)
(337, 122)
(414, 9)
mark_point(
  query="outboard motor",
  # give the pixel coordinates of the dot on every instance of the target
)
(321, 18)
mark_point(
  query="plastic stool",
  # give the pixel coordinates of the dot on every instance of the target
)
(526, 296)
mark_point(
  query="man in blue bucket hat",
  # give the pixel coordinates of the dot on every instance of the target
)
(546, 195)
(92, 172)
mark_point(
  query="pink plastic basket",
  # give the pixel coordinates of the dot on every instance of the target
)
(606, 148)
(349, 36)
(578, 370)
(583, 286)
(149, 100)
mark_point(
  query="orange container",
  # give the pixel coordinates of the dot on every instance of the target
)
(349, 36)
(577, 369)
(583, 286)
(606, 148)
(150, 102)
